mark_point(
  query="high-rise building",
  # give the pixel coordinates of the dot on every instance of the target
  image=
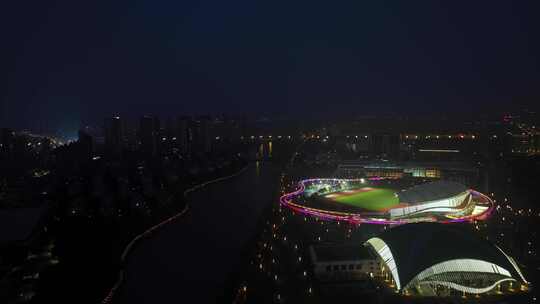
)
(6, 140)
(169, 129)
(149, 128)
(166, 142)
(113, 135)
(201, 140)
(204, 139)
(85, 145)
(384, 145)
(184, 134)
(129, 133)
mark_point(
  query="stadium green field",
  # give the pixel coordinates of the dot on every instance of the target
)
(373, 200)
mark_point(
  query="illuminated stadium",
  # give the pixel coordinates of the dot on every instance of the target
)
(378, 200)
(430, 259)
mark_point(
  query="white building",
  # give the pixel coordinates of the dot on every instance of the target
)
(440, 197)
(343, 262)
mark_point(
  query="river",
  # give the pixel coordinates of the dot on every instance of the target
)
(191, 259)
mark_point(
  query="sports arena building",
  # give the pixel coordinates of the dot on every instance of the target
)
(439, 197)
(461, 172)
(377, 200)
(430, 259)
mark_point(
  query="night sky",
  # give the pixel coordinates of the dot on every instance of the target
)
(63, 62)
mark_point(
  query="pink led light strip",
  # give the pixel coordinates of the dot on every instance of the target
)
(355, 218)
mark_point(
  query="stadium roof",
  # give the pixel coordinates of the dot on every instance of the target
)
(431, 191)
(416, 247)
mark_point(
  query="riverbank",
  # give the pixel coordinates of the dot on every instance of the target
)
(194, 257)
(149, 232)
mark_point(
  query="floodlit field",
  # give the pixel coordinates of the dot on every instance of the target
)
(372, 199)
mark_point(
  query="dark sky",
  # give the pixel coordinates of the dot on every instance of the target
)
(66, 61)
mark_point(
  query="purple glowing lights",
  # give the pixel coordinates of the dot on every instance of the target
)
(357, 218)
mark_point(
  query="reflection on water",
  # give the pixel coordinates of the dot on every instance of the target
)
(257, 168)
(264, 150)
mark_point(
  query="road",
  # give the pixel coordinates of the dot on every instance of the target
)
(192, 258)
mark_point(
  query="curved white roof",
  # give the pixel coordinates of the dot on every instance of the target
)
(431, 191)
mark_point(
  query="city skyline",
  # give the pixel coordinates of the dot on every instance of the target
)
(243, 152)
(71, 63)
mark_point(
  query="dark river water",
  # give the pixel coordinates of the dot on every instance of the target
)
(191, 260)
